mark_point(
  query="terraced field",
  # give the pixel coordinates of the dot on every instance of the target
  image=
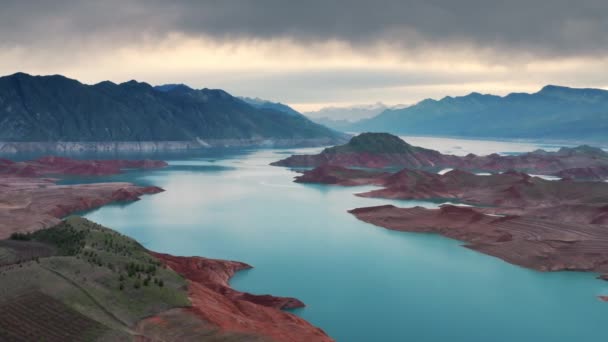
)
(36, 316)
(80, 281)
(93, 281)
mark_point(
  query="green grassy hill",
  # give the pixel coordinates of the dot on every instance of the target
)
(80, 281)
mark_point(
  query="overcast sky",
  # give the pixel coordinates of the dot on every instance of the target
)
(314, 53)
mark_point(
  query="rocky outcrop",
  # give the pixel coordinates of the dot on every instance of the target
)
(382, 150)
(594, 173)
(331, 174)
(232, 311)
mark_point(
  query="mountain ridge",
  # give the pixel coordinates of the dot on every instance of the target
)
(57, 109)
(554, 112)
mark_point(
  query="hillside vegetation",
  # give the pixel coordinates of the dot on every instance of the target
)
(80, 281)
(554, 112)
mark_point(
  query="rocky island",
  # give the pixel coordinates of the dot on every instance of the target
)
(383, 150)
(546, 225)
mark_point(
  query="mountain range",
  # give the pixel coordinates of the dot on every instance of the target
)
(350, 113)
(554, 112)
(341, 118)
(59, 109)
(266, 104)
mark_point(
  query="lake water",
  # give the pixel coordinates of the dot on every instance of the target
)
(360, 282)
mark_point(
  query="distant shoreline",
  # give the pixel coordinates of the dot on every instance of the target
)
(159, 146)
(546, 141)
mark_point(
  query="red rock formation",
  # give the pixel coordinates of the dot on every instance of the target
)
(541, 244)
(585, 173)
(381, 150)
(215, 302)
(52, 165)
(528, 221)
(513, 192)
(331, 174)
(28, 204)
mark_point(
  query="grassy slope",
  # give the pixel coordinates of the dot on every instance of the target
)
(85, 274)
(66, 281)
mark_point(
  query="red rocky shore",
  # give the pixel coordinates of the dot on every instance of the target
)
(215, 302)
(537, 243)
(52, 165)
(29, 201)
(29, 204)
(529, 221)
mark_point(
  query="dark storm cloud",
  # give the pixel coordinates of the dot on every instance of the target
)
(549, 27)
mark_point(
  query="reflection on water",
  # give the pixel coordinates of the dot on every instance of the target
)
(360, 282)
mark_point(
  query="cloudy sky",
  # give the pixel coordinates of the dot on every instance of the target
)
(314, 53)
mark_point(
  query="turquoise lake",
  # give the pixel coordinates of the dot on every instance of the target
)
(360, 282)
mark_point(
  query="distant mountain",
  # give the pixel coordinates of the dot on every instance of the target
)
(349, 113)
(340, 118)
(265, 104)
(339, 125)
(59, 109)
(172, 86)
(552, 113)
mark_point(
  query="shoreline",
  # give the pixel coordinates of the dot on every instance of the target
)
(540, 141)
(9, 147)
(31, 202)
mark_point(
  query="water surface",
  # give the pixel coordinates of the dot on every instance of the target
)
(360, 282)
